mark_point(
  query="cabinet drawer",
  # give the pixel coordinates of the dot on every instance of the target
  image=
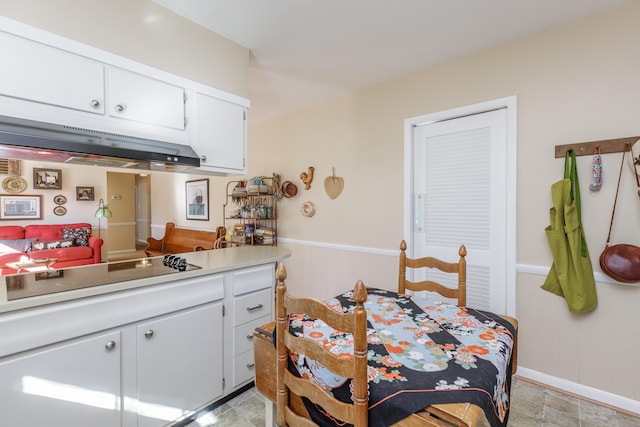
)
(243, 368)
(243, 334)
(253, 279)
(252, 306)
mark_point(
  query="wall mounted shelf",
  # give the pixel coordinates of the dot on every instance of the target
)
(589, 148)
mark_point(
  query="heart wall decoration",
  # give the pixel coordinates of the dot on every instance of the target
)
(333, 185)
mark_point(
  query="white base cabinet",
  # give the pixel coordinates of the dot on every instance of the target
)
(179, 364)
(252, 299)
(76, 383)
(178, 369)
(134, 358)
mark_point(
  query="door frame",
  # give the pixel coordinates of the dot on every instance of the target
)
(510, 104)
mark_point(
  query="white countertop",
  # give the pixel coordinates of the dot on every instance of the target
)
(79, 279)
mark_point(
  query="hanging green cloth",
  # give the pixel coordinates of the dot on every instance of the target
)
(571, 275)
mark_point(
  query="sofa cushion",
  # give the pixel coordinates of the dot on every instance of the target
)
(79, 235)
(11, 257)
(13, 232)
(54, 244)
(66, 254)
(20, 245)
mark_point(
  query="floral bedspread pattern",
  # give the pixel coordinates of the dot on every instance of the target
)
(420, 352)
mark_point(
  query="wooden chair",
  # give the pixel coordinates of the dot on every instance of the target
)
(290, 409)
(460, 267)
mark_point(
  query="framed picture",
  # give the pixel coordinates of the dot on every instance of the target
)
(47, 179)
(20, 207)
(84, 193)
(198, 199)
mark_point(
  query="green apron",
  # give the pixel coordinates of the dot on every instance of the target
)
(571, 275)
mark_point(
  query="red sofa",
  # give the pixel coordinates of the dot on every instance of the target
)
(70, 244)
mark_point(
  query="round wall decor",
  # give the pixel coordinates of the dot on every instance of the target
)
(14, 184)
(59, 210)
(308, 209)
(60, 199)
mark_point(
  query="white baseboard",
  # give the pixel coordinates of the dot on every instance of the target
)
(603, 397)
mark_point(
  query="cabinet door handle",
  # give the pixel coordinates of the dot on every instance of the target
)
(121, 107)
(95, 103)
(250, 337)
(203, 158)
(110, 345)
(250, 365)
(148, 334)
(257, 307)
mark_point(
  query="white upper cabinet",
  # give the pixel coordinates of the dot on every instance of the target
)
(47, 78)
(40, 73)
(219, 134)
(135, 97)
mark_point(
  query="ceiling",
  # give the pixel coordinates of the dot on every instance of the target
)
(307, 51)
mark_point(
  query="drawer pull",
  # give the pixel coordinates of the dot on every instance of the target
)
(250, 337)
(257, 307)
(110, 345)
(250, 365)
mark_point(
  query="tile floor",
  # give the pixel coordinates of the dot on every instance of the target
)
(533, 405)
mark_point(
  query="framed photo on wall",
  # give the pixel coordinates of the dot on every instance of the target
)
(20, 207)
(84, 193)
(198, 199)
(47, 179)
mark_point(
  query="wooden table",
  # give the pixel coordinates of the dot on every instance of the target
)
(32, 264)
(453, 414)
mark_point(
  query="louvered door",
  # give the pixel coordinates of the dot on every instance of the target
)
(460, 193)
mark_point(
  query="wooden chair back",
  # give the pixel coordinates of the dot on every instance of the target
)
(460, 268)
(290, 410)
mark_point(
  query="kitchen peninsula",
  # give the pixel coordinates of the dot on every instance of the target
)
(131, 343)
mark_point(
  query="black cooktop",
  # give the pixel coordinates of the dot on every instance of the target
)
(49, 281)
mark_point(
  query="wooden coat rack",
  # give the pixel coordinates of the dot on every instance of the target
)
(589, 148)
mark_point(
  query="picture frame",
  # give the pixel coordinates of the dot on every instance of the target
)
(47, 179)
(85, 194)
(20, 207)
(197, 199)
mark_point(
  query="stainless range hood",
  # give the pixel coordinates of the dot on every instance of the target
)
(33, 140)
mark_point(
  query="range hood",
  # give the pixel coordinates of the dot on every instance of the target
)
(34, 140)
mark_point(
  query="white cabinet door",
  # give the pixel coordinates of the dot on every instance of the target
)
(35, 72)
(72, 384)
(220, 134)
(142, 99)
(179, 364)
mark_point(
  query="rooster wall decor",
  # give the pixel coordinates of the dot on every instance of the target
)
(307, 177)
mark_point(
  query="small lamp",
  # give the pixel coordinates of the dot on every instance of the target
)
(103, 211)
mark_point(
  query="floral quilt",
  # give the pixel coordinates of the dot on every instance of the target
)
(420, 352)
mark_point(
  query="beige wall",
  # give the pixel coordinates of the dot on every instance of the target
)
(72, 176)
(573, 84)
(576, 83)
(121, 199)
